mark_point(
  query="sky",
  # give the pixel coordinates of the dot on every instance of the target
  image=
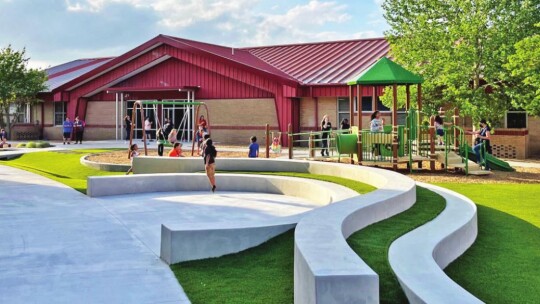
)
(59, 31)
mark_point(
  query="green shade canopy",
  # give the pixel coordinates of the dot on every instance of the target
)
(385, 72)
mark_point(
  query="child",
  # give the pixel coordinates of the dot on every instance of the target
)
(199, 137)
(210, 154)
(176, 150)
(439, 128)
(276, 147)
(160, 137)
(3, 139)
(254, 147)
(376, 125)
(172, 136)
(133, 152)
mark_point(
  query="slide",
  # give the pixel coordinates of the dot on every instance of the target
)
(494, 163)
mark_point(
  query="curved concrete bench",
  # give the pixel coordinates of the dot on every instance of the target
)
(419, 256)
(184, 242)
(326, 269)
(103, 166)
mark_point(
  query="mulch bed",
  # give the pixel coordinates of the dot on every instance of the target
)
(520, 176)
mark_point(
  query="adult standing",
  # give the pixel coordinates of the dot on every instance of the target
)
(345, 125)
(78, 128)
(67, 130)
(483, 137)
(148, 128)
(326, 127)
(127, 125)
(210, 154)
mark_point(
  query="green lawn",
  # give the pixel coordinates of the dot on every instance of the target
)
(61, 166)
(372, 243)
(503, 265)
(264, 274)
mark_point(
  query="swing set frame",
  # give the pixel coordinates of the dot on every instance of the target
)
(140, 103)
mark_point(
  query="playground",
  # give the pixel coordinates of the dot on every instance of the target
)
(359, 224)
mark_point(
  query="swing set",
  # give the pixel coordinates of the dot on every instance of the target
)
(184, 123)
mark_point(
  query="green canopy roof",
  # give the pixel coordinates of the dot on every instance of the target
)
(384, 72)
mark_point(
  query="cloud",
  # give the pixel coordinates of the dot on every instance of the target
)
(71, 29)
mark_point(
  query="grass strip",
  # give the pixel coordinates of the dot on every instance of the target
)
(503, 265)
(372, 243)
(61, 166)
(264, 274)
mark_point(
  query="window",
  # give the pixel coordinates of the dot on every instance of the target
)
(343, 108)
(20, 113)
(516, 119)
(59, 113)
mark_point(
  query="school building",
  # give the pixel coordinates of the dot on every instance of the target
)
(244, 89)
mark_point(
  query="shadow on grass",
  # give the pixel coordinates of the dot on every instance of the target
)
(503, 265)
(40, 171)
(263, 274)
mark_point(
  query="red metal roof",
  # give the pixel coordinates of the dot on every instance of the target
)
(321, 63)
(63, 73)
(235, 54)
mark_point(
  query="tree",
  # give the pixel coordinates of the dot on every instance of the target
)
(18, 84)
(525, 68)
(460, 47)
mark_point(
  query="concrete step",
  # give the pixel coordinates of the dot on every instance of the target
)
(479, 172)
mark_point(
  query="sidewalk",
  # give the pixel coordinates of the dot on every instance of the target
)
(59, 246)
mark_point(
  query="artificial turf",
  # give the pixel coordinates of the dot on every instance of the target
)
(503, 265)
(264, 274)
(61, 166)
(372, 243)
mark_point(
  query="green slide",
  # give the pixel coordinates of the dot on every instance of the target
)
(494, 163)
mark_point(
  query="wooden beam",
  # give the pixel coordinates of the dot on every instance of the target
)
(359, 99)
(351, 107)
(408, 104)
(374, 103)
(419, 97)
(394, 130)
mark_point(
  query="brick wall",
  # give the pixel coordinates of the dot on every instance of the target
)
(100, 113)
(234, 121)
(307, 114)
(534, 135)
(508, 143)
(328, 106)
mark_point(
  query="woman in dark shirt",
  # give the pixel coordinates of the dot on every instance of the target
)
(210, 154)
(326, 127)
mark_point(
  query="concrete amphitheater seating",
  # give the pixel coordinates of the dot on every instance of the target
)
(326, 268)
(419, 257)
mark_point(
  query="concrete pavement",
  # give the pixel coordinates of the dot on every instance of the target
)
(59, 246)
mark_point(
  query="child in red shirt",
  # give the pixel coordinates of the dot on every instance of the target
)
(176, 150)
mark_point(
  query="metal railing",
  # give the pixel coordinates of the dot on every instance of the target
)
(454, 139)
(377, 146)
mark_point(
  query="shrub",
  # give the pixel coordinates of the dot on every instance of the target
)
(43, 144)
(31, 144)
(21, 145)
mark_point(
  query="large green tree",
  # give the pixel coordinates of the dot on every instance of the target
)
(18, 84)
(525, 68)
(460, 47)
